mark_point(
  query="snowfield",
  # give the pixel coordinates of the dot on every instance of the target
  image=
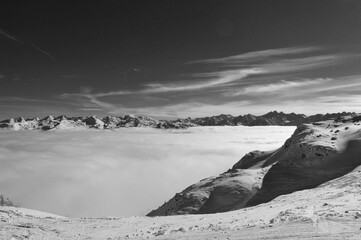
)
(330, 211)
(124, 172)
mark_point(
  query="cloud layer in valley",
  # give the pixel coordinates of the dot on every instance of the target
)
(119, 173)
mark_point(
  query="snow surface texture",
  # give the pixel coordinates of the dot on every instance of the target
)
(330, 211)
(314, 154)
(125, 172)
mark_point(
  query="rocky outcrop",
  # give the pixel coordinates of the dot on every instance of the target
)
(4, 201)
(316, 153)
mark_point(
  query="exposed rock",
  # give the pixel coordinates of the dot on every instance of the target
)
(94, 122)
(4, 201)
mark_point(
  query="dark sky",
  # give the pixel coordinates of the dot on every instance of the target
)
(172, 59)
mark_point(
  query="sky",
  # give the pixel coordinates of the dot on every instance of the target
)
(172, 59)
(121, 173)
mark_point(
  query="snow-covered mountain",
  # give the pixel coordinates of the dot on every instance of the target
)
(111, 122)
(324, 157)
(310, 188)
(316, 153)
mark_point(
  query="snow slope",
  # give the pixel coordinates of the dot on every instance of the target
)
(314, 154)
(330, 211)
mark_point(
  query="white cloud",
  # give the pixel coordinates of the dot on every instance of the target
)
(301, 63)
(119, 173)
(221, 78)
(275, 88)
(183, 110)
(258, 55)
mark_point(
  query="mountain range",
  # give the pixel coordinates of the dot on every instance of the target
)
(112, 122)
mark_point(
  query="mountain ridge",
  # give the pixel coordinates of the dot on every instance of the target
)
(273, 118)
(316, 153)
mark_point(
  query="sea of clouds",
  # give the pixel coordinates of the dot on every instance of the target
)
(125, 172)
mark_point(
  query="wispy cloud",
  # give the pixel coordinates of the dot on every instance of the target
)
(16, 39)
(220, 78)
(245, 79)
(86, 96)
(258, 55)
(234, 72)
(186, 109)
(6, 35)
(90, 109)
(301, 63)
(22, 99)
(282, 85)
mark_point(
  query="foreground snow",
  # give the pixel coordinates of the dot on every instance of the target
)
(330, 211)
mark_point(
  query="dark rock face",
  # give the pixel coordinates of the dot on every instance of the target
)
(221, 120)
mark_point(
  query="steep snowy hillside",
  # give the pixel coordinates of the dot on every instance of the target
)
(314, 154)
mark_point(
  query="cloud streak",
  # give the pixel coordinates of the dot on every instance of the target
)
(249, 78)
(258, 55)
(9, 36)
(283, 85)
(6, 35)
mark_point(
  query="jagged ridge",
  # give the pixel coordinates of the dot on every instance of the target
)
(111, 122)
